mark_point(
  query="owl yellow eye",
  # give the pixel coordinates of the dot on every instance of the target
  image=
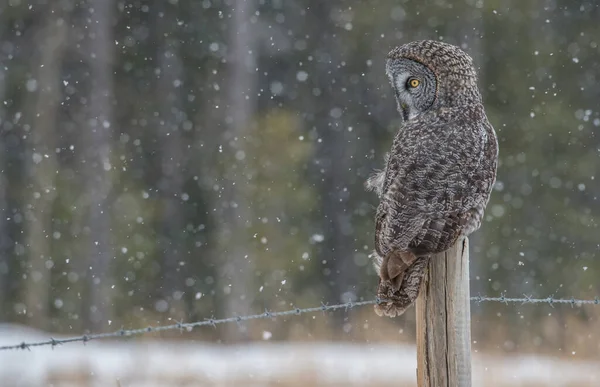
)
(413, 82)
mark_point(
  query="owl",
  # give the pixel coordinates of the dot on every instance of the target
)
(439, 173)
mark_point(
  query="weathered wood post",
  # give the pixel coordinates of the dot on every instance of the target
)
(444, 321)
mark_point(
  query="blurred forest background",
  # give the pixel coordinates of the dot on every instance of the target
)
(182, 159)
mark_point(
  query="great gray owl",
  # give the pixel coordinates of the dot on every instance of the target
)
(440, 171)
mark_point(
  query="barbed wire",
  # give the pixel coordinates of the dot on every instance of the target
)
(267, 314)
(530, 300)
(188, 326)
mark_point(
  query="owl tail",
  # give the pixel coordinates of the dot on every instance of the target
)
(400, 280)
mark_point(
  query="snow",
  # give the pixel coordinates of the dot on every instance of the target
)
(142, 362)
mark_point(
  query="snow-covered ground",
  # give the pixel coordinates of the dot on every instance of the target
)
(177, 363)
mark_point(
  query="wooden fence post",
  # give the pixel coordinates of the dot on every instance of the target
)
(444, 321)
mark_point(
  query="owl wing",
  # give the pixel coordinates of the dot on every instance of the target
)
(433, 185)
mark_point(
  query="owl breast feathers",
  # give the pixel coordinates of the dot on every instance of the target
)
(440, 171)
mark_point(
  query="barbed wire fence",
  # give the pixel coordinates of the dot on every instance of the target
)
(51, 342)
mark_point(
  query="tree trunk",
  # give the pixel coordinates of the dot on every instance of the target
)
(96, 138)
(170, 185)
(238, 271)
(335, 172)
(5, 242)
(42, 167)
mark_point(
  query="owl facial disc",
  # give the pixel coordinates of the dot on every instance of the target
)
(414, 86)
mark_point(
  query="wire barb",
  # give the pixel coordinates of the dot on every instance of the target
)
(52, 342)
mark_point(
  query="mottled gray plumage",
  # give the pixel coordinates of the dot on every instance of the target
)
(440, 171)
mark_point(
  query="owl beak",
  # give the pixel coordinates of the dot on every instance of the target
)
(404, 111)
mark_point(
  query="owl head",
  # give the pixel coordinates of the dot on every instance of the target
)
(429, 75)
